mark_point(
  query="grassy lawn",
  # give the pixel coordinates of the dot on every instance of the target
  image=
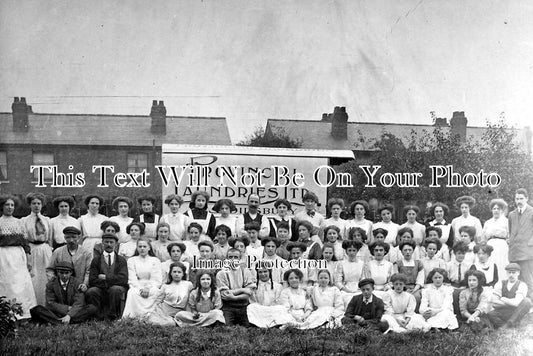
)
(136, 338)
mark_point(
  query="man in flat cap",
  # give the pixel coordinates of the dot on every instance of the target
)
(365, 310)
(72, 252)
(509, 300)
(108, 279)
(65, 303)
(521, 238)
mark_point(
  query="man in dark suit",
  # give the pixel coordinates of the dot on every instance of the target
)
(365, 310)
(521, 238)
(65, 302)
(108, 279)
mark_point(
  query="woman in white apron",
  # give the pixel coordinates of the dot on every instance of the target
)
(177, 221)
(148, 216)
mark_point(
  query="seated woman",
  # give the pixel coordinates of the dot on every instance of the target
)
(173, 296)
(400, 308)
(395, 254)
(437, 302)
(350, 270)
(412, 269)
(199, 213)
(378, 269)
(483, 264)
(357, 233)
(327, 303)
(204, 303)
(431, 260)
(222, 234)
(136, 231)
(144, 279)
(161, 242)
(175, 251)
(328, 255)
(443, 252)
(474, 301)
(294, 298)
(226, 208)
(265, 310)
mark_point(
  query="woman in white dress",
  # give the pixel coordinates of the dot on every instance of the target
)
(136, 231)
(64, 205)
(437, 302)
(419, 231)
(144, 279)
(350, 271)
(466, 203)
(386, 212)
(177, 221)
(332, 235)
(327, 303)
(39, 235)
(15, 258)
(378, 268)
(123, 206)
(335, 207)
(159, 246)
(173, 296)
(495, 233)
(400, 308)
(90, 223)
(265, 309)
(226, 208)
(294, 298)
(359, 209)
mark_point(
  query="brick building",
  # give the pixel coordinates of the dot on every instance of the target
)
(77, 142)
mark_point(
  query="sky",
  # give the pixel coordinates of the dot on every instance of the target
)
(248, 60)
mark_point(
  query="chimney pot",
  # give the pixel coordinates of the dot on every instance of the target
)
(161, 103)
(16, 99)
(154, 102)
(159, 117)
(23, 100)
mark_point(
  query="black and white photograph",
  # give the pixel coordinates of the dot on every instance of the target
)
(266, 177)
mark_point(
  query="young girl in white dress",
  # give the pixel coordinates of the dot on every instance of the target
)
(144, 279)
(226, 210)
(350, 271)
(437, 301)
(333, 236)
(176, 220)
(265, 309)
(173, 296)
(294, 298)
(327, 303)
(159, 246)
(123, 206)
(136, 231)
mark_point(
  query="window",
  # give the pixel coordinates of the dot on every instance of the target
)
(3, 166)
(137, 162)
(43, 159)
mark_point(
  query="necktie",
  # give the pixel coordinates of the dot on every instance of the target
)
(367, 300)
(109, 259)
(311, 213)
(459, 274)
(39, 227)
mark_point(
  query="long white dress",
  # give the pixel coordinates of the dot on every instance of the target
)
(398, 307)
(496, 233)
(439, 298)
(172, 299)
(265, 309)
(295, 302)
(143, 272)
(348, 276)
(15, 280)
(41, 254)
(329, 308)
(90, 229)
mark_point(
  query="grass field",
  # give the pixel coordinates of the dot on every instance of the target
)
(136, 338)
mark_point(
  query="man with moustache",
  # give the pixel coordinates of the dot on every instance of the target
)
(253, 214)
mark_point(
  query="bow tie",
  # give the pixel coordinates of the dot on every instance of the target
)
(311, 213)
(367, 300)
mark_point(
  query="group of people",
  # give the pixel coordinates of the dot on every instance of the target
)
(162, 269)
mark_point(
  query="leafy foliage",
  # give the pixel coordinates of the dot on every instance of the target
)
(497, 151)
(279, 138)
(9, 309)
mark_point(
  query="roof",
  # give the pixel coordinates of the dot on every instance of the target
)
(253, 151)
(316, 133)
(114, 130)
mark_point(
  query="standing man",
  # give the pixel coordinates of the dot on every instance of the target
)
(521, 238)
(108, 278)
(253, 214)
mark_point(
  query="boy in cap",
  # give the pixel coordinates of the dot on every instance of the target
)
(65, 303)
(365, 310)
(108, 278)
(509, 300)
(72, 252)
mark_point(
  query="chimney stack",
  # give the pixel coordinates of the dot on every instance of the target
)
(339, 123)
(458, 125)
(441, 121)
(159, 117)
(20, 114)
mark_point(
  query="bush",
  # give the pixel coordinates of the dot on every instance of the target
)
(9, 309)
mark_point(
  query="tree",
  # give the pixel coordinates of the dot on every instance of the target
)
(279, 138)
(496, 151)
